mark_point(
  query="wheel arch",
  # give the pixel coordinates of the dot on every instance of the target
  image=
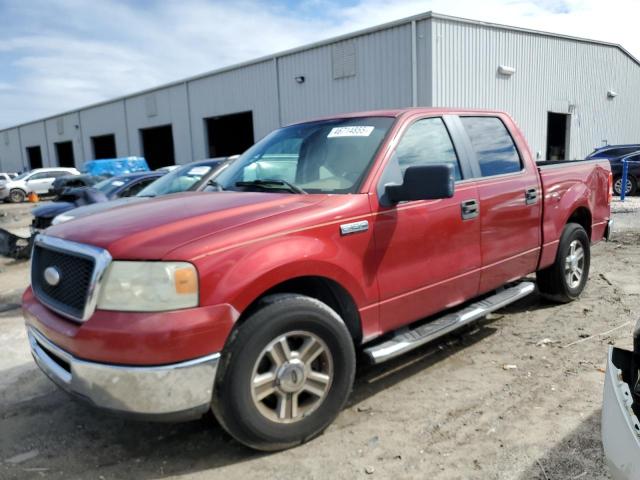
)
(582, 216)
(322, 288)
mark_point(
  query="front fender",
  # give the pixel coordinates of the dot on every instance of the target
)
(240, 276)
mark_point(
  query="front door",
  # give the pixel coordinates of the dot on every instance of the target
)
(428, 255)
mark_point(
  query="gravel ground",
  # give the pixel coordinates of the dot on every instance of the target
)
(518, 397)
(627, 214)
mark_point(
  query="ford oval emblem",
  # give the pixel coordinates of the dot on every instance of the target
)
(52, 276)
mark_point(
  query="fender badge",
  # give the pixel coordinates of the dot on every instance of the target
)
(355, 227)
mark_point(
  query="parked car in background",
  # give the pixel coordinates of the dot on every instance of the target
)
(190, 177)
(123, 186)
(5, 177)
(38, 180)
(73, 181)
(633, 173)
(115, 166)
(614, 151)
(168, 168)
(377, 231)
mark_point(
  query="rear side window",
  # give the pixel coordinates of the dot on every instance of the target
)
(494, 147)
(427, 142)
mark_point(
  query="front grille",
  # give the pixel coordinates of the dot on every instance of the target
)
(75, 271)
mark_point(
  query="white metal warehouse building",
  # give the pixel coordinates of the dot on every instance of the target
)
(567, 94)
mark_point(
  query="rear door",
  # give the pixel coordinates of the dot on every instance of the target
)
(427, 251)
(510, 203)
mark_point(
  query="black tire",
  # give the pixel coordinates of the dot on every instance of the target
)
(17, 195)
(617, 186)
(233, 401)
(552, 281)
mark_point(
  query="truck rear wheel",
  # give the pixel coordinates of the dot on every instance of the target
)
(564, 280)
(285, 373)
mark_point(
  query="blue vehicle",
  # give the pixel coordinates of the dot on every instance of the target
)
(633, 173)
(115, 166)
(616, 154)
(614, 151)
(127, 185)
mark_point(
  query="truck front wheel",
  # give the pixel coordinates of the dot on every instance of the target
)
(564, 280)
(285, 373)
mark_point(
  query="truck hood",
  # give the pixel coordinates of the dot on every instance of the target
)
(151, 229)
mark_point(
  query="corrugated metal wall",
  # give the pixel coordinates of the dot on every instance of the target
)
(10, 151)
(382, 76)
(65, 128)
(165, 106)
(248, 88)
(108, 119)
(551, 75)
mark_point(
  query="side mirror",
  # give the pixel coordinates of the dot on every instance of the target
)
(424, 182)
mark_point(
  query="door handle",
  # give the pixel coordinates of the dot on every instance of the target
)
(470, 209)
(531, 196)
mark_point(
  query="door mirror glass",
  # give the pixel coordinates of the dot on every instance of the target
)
(424, 182)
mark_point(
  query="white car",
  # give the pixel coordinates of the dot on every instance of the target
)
(38, 180)
(5, 176)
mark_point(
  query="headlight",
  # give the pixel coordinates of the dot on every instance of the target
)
(63, 217)
(149, 286)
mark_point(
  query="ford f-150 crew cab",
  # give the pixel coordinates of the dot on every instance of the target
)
(375, 231)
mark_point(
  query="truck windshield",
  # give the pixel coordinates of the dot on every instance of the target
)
(329, 156)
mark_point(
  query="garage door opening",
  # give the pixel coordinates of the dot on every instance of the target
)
(229, 134)
(157, 145)
(557, 136)
(104, 146)
(64, 154)
(34, 154)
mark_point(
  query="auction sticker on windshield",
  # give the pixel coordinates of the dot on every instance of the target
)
(354, 131)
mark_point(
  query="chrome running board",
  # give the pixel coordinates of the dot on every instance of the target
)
(408, 339)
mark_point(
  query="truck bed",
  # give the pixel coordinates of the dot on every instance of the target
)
(582, 183)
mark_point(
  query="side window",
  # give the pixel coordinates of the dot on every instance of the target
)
(494, 147)
(137, 187)
(40, 176)
(426, 142)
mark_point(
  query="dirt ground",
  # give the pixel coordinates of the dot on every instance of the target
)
(518, 397)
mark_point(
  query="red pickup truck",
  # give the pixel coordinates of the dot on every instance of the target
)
(374, 232)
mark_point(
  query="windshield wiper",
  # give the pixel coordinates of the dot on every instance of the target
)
(268, 182)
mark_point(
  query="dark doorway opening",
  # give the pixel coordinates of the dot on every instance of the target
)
(64, 153)
(104, 146)
(229, 134)
(34, 154)
(557, 136)
(157, 145)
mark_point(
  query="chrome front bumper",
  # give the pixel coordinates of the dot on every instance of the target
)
(179, 391)
(620, 426)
